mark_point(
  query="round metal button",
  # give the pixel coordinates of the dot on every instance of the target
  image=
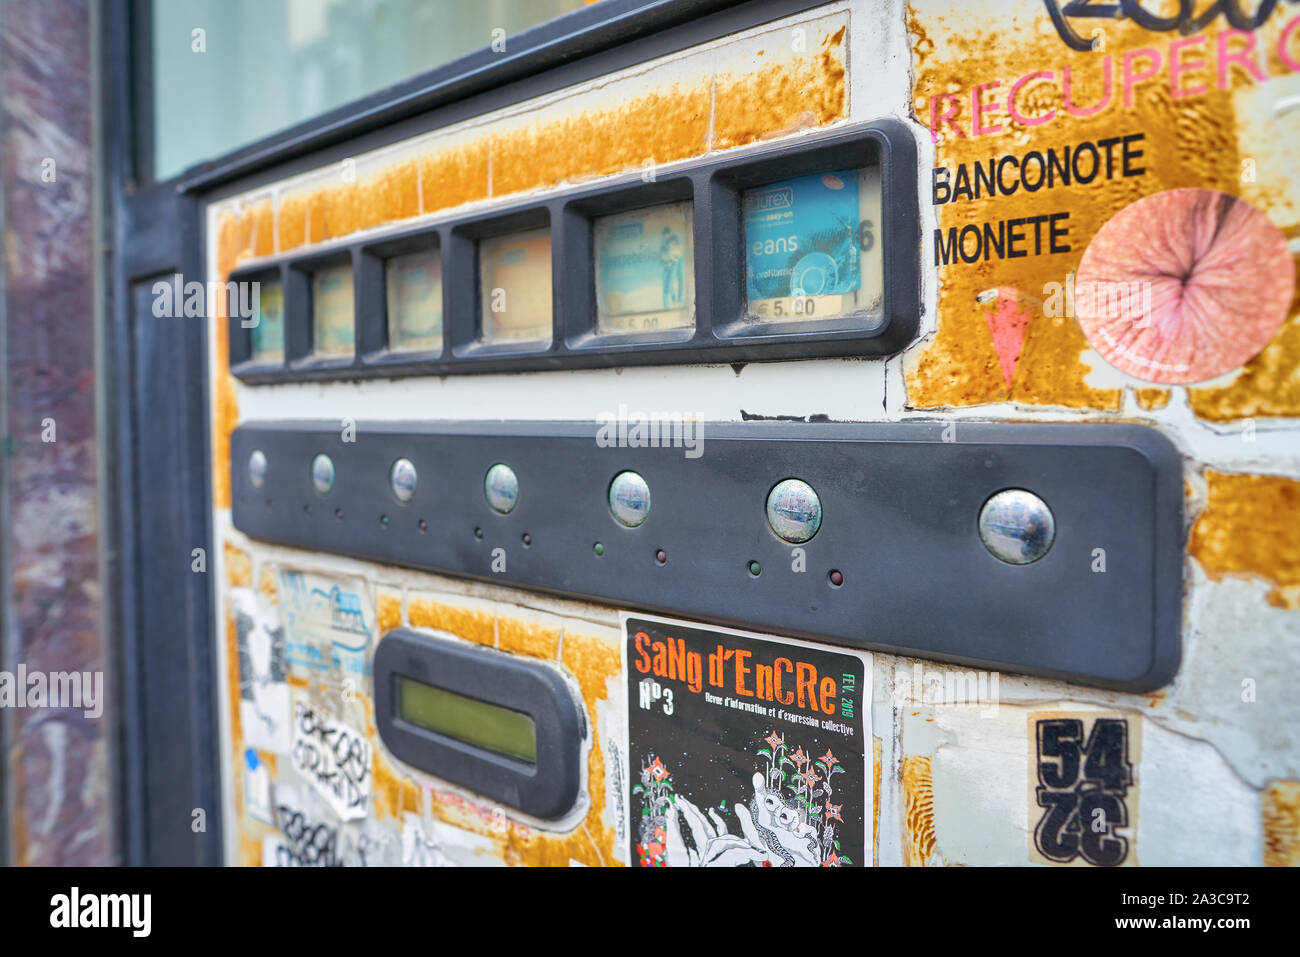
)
(401, 479)
(501, 487)
(257, 467)
(794, 511)
(322, 473)
(1016, 526)
(629, 499)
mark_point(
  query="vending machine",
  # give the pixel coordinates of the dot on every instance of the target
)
(778, 434)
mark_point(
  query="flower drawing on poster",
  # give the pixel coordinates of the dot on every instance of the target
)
(787, 820)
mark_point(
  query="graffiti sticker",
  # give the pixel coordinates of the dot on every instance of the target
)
(1082, 788)
(335, 759)
(745, 750)
(263, 693)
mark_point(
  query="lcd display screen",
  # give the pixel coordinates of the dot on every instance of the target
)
(812, 249)
(475, 722)
(645, 270)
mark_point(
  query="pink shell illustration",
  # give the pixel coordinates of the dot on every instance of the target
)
(1184, 285)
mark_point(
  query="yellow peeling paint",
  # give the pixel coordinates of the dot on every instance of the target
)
(454, 174)
(1251, 526)
(662, 126)
(388, 611)
(239, 567)
(918, 809)
(1152, 399)
(800, 93)
(529, 633)
(268, 583)
(474, 623)
(876, 749)
(1280, 815)
(393, 793)
(1268, 385)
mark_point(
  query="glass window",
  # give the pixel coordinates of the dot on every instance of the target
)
(811, 249)
(268, 330)
(645, 270)
(414, 289)
(228, 72)
(333, 328)
(515, 288)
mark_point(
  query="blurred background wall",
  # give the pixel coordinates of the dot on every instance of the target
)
(56, 768)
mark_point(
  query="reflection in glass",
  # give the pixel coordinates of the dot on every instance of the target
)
(333, 329)
(268, 330)
(645, 270)
(515, 288)
(812, 249)
(256, 67)
(414, 289)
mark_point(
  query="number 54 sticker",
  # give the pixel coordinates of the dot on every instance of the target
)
(1082, 788)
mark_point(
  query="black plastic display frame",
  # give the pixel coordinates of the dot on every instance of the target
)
(714, 187)
(547, 789)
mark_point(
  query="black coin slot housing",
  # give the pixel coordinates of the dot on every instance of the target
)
(547, 789)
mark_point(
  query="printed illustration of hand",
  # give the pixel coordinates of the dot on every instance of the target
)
(714, 845)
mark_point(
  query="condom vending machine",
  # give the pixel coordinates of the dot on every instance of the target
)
(814, 435)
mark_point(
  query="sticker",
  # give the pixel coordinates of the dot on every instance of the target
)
(745, 749)
(257, 788)
(333, 329)
(1184, 286)
(307, 838)
(328, 625)
(1082, 788)
(645, 270)
(414, 290)
(368, 843)
(515, 288)
(268, 330)
(811, 247)
(335, 759)
(263, 692)
(428, 842)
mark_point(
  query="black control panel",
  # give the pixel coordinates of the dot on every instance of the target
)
(1052, 550)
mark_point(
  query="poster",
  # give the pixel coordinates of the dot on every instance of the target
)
(744, 749)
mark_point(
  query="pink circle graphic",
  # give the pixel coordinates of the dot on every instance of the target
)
(1184, 285)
